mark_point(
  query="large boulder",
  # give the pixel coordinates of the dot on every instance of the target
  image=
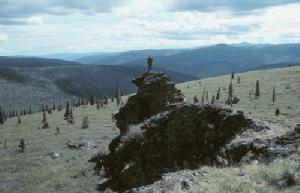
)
(183, 136)
(155, 92)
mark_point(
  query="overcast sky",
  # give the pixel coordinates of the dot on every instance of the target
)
(56, 26)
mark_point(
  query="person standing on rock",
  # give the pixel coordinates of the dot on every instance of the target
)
(150, 62)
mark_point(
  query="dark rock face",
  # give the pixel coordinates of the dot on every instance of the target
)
(155, 92)
(184, 136)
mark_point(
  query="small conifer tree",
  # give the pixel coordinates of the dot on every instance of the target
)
(5, 144)
(57, 130)
(218, 94)
(19, 119)
(230, 94)
(257, 90)
(85, 123)
(206, 96)
(274, 95)
(66, 115)
(118, 94)
(71, 117)
(213, 99)
(203, 96)
(238, 80)
(92, 99)
(45, 122)
(22, 145)
(1, 117)
(53, 106)
(195, 100)
(105, 100)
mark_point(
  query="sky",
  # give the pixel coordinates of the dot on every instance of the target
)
(29, 27)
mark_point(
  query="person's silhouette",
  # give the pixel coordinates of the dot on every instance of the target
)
(150, 62)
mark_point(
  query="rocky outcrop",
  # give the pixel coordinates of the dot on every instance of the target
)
(184, 136)
(155, 92)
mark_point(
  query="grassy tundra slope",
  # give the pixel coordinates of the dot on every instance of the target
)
(36, 171)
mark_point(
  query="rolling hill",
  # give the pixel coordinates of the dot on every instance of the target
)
(48, 165)
(32, 81)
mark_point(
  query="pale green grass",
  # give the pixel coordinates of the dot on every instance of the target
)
(35, 172)
(287, 100)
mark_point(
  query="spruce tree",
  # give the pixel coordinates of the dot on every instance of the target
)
(206, 96)
(118, 94)
(218, 94)
(85, 123)
(66, 115)
(230, 94)
(105, 100)
(1, 117)
(195, 100)
(232, 75)
(257, 90)
(5, 144)
(45, 122)
(71, 118)
(203, 96)
(213, 99)
(19, 119)
(92, 99)
(22, 145)
(238, 80)
(274, 95)
(53, 106)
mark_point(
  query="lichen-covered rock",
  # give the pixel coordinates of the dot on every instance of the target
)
(184, 136)
(155, 92)
(263, 150)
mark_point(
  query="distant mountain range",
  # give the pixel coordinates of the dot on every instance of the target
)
(206, 61)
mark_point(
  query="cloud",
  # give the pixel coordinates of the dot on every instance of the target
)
(236, 6)
(3, 37)
(14, 12)
(22, 21)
